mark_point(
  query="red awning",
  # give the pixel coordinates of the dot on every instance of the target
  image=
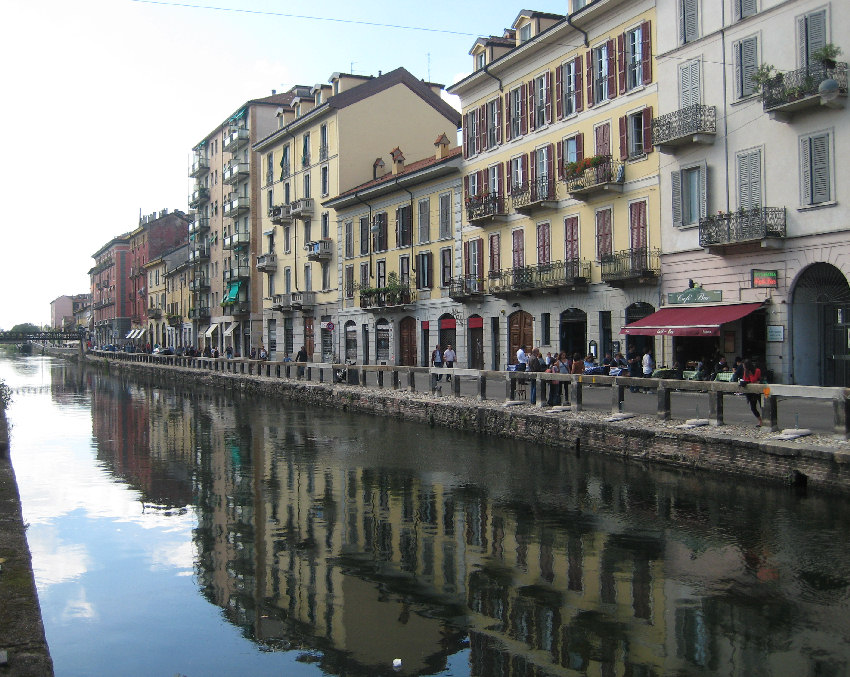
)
(691, 321)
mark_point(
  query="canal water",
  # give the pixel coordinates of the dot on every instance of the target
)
(193, 532)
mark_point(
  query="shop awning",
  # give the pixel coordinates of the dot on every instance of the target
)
(229, 330)
(690, 321)
(209, 332)
(130, 334)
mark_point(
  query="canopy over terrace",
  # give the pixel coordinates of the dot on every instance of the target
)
(689, 321)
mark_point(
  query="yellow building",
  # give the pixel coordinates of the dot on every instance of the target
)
(156, 302)
(326, 143)
(561, 231)
(398, 246)
(178, 275)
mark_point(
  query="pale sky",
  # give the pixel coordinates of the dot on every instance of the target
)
(105, 99)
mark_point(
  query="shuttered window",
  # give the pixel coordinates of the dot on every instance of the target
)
(689, 188)
(689, 84)
(746, 63)
(688, 21)
(571, 244)
(811, 35)
(544, 244)
(424, 220)
(349, 239)
(815, 181)
(637, 225)
(749, 179)
(518, 238)
(445, 215)
(495, 253)
(604, 234)
(745, 8)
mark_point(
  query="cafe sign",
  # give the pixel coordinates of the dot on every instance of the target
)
(765, 279)
(695, 295)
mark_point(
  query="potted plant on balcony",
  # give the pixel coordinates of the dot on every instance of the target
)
(393, 289)
(827, 55)
(765, 73)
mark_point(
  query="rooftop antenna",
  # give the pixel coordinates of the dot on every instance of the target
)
(429, 66)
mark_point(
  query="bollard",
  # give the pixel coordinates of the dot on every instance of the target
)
(663, 402)
(841, 417)
(456, 385)
(411, 380)
(715, 408)
(575, 394)
(770, 412)
(395, 378)
(381, 378)
(482, 388)
(510, 387)
(618, 394)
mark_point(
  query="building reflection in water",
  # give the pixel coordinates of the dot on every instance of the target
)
(356, 540)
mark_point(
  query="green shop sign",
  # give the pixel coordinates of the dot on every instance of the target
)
(695, 295)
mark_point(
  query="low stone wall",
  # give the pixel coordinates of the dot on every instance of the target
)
(641, 439)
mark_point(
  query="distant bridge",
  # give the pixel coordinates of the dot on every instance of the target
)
(35, 336)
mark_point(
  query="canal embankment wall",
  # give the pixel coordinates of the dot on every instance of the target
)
(23, 646)
(729, 450)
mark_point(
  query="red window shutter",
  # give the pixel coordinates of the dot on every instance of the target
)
(466, 257)
(560, 159)
(523, 102)
(621, 61)
(559, 91)
(548, 88)
(481, 257)
(637, 225)
(579, 146)
(647, 130)
(508, 116)
(482, 128)
(530, 105)
(612, 69)
(624, 139)
(579, 88)
(465, 126)
(525, 175)
(590, 86)
(484, 181)
(495, 254)
(571, 237)
(646, 52)
(466, 187)
(499, 120)
(499, 189)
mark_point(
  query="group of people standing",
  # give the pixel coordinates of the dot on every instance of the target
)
(440, 358)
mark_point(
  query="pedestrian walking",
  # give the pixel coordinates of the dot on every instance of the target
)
(437, 360)
(449, 357)
(521, 359)
(752, 374)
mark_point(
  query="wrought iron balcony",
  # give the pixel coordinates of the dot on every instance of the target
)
(234, 171)
(198, 197)
(303, 299)
(631, 266)
(234, 205)
(236, 139)
(239, 308)
(200, 253)
(302, 208)
(694, 124)
(280, 214)
(267, 263)
(761, 225)
(573, 274)
(534, 195)
(200, 166)
(596, 174)
(199, 225)
(236, 273)
(103, 303)
(154, 313)
(174, 320)
(486, 207)
(461, 288)
(787, 93)
(320, 250)
(383, 298)
(284, 171)
(236, 240)
(323, 152)
(199, 312)
(200, 283)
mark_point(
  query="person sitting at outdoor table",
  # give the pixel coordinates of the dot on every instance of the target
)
(578, 365)
(721, 366)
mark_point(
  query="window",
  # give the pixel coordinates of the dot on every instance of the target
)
(269, 168)
(746, 62)
(381, 273)
(635, 47)
(445, 215)
(474, 260)
(636, 134)
(600, 74)
(364, 235)
(494, 179)
(326, 225)
(544, 244)
(379, 237)
(480, 60)
(349, 282)
(493, 123)
(495, 253)
(445, 266)
(815, 182)
(518, 172)
(404, 270)
(689, 187)
(546, 328)
(688, 21)
(287, 239)
(424, 220)
(471, 137)
(424, 270)
(348, 229)
(689, 84)
(364, 275)
(749, 179)
(518, 242)
(287, 280)
(286, 193)
(284, 163)
(473, 184)
(571, 248)
(578, 4)
(744, 8)
(811, 35)
(270, 199)
(326, 275)
(404, 226)
(305, 150)
(525, 33)
(604, 234)
(568, 84)
(542, 105)
(308, 230)
(323, 141)
(270, 278)
(308, 277)
(637, 225)
(573, 148)
(306, 186)
(515, 113)
(325, 181)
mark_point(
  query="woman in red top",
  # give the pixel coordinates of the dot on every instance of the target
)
(752, 375)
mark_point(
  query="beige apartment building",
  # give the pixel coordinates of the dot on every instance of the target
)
(561, 237)
(326, 142)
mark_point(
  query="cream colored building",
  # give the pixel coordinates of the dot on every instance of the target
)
(156, 301)
(397, 247)
(561, 237)
(178, 274)
(754, 206)
(325, 143)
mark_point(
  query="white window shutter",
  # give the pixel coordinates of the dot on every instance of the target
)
(703, 190)
(749, 64)
(815, 33)
(676, 185)
(805, 171)
(820, 168)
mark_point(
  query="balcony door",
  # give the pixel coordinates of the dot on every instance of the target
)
(520, 333)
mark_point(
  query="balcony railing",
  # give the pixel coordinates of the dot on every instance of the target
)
(320, 250)
(280, 214)
(284, 171)
(234, 171)
(573, 274)
(303, 299)
(103, 303)
(527, 197)
(282, 302)
(386, 297)
(788, 92)
(200, 253)
(235, 205)
(302, 208)
(238, 308)
(200, 165)
(199, 284)
(198, 197)
(236, 273)
(323, 152)
(236, 139)
(154, 313)
(746, 225)
(485, 207)
(199, 312)
(600, 174)
(267, 263)
(236, 240)
(465, 287)
(199, 225)
(174, 320)
(631, 265)
(694, 124)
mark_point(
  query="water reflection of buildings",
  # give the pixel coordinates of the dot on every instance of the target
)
(415, 543)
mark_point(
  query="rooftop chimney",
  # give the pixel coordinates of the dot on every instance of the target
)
(377, 168)
(442, 145)
(398, 160)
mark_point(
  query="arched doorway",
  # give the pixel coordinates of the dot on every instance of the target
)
(520, 333)
(475, 341)
(634, 312)
(382, 341)
(820, 323)
(350, 341)
(448, 331)
(407, 338)
(573, 332)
